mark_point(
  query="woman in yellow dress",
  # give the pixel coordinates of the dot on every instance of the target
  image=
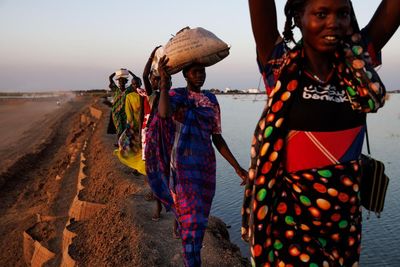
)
(129, 151)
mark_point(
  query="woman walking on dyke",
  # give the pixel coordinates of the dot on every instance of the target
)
(151, 84)
(120, 92)
(180, 158)
(303, 190)
(145, 110)
(132, 142)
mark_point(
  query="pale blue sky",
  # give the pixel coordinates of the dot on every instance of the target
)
(76, 44)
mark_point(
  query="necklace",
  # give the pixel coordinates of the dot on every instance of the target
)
(316, 78)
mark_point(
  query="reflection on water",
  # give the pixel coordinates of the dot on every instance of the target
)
(240, 114)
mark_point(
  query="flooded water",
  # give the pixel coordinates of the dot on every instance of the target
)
(380, 235)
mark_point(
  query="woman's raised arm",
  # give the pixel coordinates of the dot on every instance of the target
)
(165, 85)
(265, 27)
(146, 72)
(384, 23)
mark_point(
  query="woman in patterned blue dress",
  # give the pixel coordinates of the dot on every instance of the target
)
(180, 159)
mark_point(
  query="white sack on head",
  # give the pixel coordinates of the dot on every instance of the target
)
(194, 46)
(121, 73)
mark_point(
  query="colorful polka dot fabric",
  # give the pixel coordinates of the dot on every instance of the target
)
(310, 217)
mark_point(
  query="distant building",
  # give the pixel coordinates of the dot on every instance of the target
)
(253, 91)
(233, 91)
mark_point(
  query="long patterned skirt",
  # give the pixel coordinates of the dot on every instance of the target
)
(308, 218)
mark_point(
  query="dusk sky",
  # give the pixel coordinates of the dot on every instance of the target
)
(76, 44)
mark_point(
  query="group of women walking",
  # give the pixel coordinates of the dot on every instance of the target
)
(301, 202)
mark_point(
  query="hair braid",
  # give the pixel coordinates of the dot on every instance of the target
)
(287, 32)
(293, 8)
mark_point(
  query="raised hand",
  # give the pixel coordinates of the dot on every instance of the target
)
(165, 78)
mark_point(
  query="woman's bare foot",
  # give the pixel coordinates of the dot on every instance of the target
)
(156, 216)
(175, 231)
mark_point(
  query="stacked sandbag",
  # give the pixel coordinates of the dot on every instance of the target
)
(189, 46)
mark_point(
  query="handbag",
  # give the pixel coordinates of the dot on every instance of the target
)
(374, 182)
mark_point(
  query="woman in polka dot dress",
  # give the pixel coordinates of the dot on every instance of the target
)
(301, 205)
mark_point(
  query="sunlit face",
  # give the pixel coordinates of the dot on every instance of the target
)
(196, 76)
(323, 23)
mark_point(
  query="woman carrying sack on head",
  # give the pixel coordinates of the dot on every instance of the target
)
(180, 159)
(151, 81)
(302, 205)
(120, 92)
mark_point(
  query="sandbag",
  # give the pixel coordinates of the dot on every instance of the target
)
(196, 45)
(121, 73)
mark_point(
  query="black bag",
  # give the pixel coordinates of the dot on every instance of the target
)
(373, 185)
(374, 182)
